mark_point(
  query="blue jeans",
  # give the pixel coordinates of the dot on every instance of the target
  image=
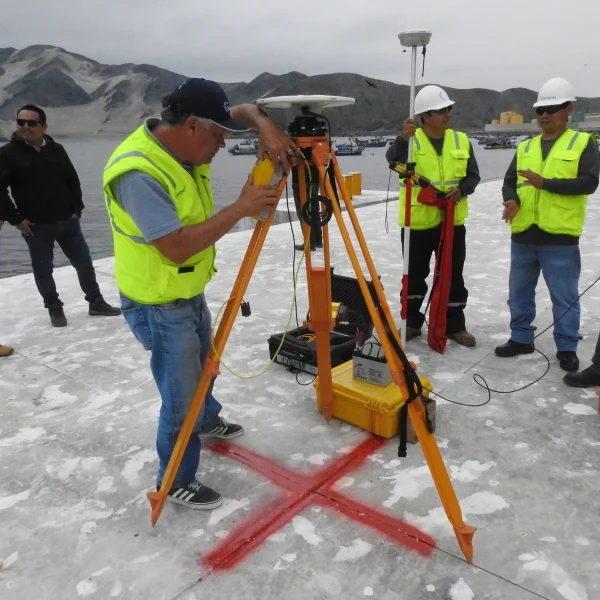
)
(70, 238)
(561, 266)
(178, 334)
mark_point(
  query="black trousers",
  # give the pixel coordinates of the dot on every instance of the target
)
(70, 238)
(424, 243)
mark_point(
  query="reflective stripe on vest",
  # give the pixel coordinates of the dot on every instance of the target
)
(143, 273)
(443, 172)
(554, 213)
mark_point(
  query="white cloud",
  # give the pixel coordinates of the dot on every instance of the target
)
(474, 43)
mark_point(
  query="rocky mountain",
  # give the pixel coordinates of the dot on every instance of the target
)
(83, 97)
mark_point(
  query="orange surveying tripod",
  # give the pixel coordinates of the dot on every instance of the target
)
(309, 133)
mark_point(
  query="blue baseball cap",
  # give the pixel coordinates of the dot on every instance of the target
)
(205, 99)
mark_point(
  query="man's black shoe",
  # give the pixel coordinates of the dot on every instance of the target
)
(586, 378)
(513, 349)
(103, 309)
(568, 360)
(411, 332)
(57, 317)
(195, 495)
(300, 247)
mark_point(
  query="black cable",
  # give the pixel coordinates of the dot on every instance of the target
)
(287, 201)
(454, 401)
(463, 403)
(305, 384)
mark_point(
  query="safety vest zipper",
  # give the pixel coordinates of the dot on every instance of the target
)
(537, 191)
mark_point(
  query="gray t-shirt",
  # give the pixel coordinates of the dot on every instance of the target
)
(146, 200)
(147, 203)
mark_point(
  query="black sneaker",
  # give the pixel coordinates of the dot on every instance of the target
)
(222, 430)
(195, 495)
(586, 378)
(57, 317)
(513, 349)
(568, 360)
(103, 309)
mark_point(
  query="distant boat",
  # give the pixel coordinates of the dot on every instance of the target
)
(239, 150)
(500, 144)
(377, 142)
(349, 150)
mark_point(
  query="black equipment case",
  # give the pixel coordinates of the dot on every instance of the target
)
(299, 352)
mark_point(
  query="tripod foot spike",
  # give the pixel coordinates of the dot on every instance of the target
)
(464, 535)
(157, 501)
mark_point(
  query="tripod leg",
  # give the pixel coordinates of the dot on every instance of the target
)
(319, 301)
(211, 364)
(464, 533)
(364, 248)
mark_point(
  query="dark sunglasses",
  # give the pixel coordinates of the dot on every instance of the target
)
(440, 111)
(551, 110)
(30, 122)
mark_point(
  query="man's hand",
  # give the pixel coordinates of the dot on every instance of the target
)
(408, 129)
(511, 208)
(275, 144)
(24, 228)
(454, 194)
(536, 180)
(255, 199)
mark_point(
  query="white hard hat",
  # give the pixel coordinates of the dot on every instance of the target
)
(431, 97)
(555, 91)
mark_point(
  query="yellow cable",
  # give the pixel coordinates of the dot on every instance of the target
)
(291, 309)
(282, 337)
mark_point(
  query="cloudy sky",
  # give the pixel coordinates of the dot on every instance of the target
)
(475, 43)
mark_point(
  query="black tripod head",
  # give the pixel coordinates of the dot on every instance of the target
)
(307, 125)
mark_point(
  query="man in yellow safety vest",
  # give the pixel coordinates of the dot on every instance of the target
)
(445, 157)
(159, 199)
(545, 195)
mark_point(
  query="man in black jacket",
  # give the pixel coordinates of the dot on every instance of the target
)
(46, 206)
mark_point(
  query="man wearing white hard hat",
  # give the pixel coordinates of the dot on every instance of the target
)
(445, 157)
(545, 194)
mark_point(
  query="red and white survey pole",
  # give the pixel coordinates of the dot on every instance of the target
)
(411, 39)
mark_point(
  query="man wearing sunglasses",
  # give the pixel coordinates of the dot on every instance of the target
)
(46, 206)
(545, 194)
(445, 157)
